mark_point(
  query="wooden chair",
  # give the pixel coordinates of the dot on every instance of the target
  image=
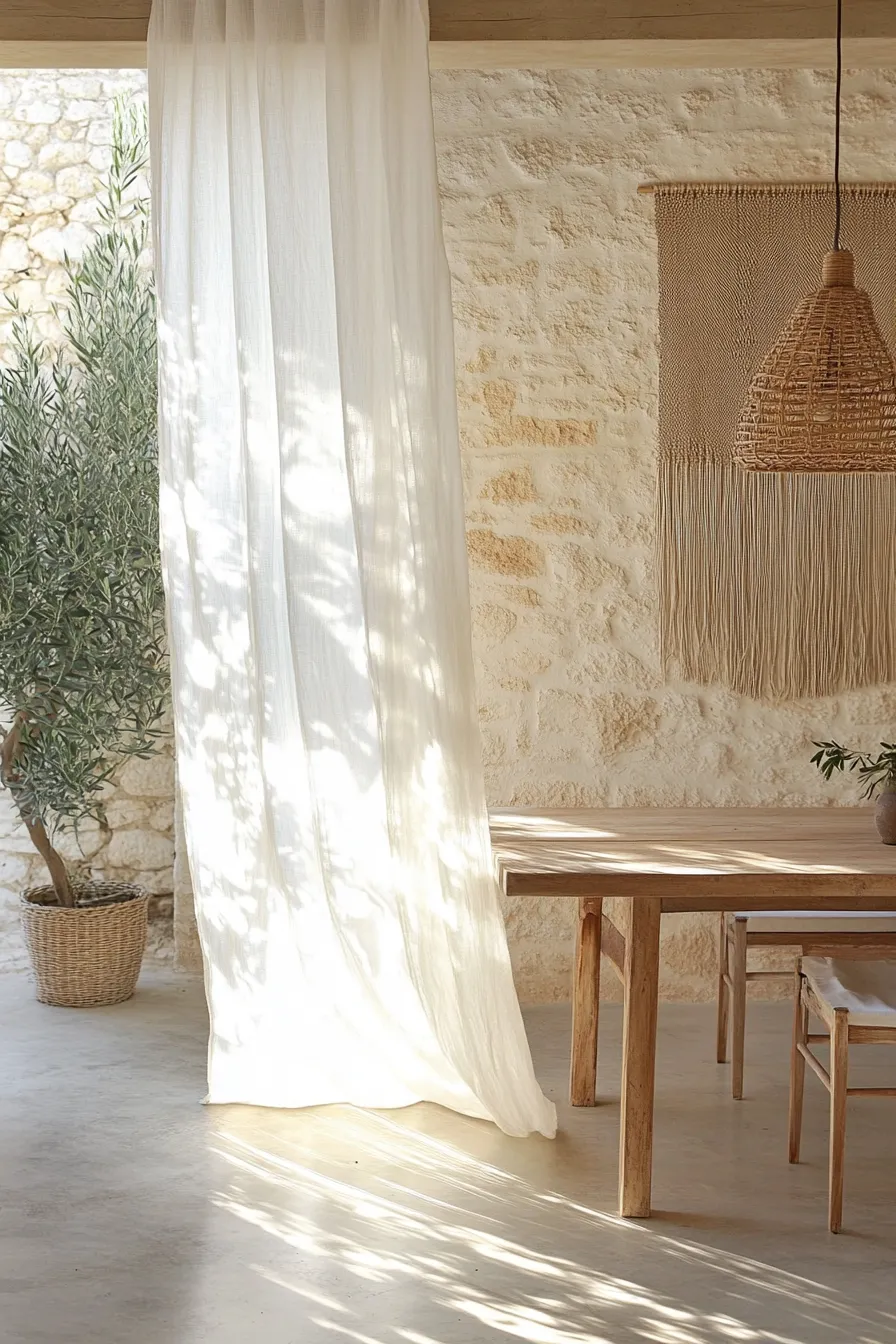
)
(856, 1000)
(821, 933)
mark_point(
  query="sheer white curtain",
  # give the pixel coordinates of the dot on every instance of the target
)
(328, 747)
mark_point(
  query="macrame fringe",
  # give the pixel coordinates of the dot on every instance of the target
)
(779, 586)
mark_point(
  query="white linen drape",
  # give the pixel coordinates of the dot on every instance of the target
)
(312, 533)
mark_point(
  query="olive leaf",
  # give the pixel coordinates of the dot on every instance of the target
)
(83, 665)
(873, 771)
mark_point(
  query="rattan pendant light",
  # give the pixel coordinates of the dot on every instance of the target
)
(824, 397)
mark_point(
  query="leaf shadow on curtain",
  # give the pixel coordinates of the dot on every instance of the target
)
(329, 752)
(242, 755)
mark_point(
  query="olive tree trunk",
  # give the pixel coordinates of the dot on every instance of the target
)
(37, 832)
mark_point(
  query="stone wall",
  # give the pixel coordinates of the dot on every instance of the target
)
(553, 260)
(54, 143)
(554, 268)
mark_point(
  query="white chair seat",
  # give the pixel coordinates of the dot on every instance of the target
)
(866, 989)
(819, 921)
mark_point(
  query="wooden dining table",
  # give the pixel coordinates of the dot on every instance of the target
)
(657, 860)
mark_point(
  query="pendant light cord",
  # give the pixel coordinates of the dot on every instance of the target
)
(837, 126)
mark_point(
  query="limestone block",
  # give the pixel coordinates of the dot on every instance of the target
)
(496, 271)
(15, 254)
(52, 203)
(535, 96)
(43, 113)
(38, 136)
(84, 109)
(547, 623)
(491, 709)
(509, 430)
(76, 181)
(162, 818)
(83, 844)
(33, 183)
(61, 154)
(482, 361)
(10, 824)
(559, 523)
(523, 597)
(614, 721)
(465, 161)
(494, 622)
(19, 843)
(539, 156)
(80, 86)
(152, 778)
(456, 100)
(608, 666)
(579, 569)
(122, 811)
(86, 211)
(160, 942)
(100, 132)
(14, 870)
(54, 244)
(499, 396)
(494, 748)
(159, 881)
(56, 282)
(139, 849)
(504, 555)
(17, 154)
(49, 328)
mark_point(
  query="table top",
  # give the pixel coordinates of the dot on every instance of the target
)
(697, 858)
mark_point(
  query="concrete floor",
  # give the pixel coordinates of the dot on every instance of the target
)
(132, 1215)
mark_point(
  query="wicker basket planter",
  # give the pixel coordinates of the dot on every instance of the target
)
(90, 955)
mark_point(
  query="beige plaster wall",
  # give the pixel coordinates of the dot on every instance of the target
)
(553, 260)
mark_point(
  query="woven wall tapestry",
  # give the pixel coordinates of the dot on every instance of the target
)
(776, 585)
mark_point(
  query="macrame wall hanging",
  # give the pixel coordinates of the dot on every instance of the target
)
(777, 585)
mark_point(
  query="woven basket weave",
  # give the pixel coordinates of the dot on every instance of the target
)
(824, 397)
(90, 955)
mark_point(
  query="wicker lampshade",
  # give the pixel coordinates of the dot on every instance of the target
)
(824, 397)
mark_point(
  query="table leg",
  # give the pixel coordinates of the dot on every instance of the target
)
(585, 1006)
(642, 968)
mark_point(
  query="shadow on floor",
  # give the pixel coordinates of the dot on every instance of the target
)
(133, 1214)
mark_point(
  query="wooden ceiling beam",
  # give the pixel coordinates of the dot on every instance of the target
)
(508, 20)
(502, 33)
(655, 20)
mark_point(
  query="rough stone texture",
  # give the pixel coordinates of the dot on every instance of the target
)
(54, 136)
(553, 262)
(554, 270)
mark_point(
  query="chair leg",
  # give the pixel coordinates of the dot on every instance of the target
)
(739, 1006)
(797, 1069)
(839, 1076)
(723, 996)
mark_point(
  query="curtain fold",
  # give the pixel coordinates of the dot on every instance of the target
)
(312, 536)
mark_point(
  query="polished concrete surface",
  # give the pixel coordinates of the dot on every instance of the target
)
(130, 1214)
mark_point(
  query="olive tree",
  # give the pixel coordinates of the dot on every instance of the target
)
(83, 670)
